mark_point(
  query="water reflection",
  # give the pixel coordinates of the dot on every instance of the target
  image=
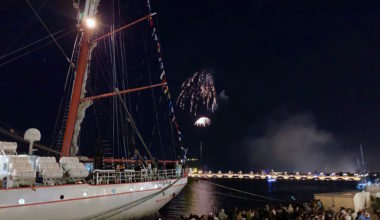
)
(269, 186)
(202, 197)
(196, 197)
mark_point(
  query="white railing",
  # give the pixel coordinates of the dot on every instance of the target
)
(129, 176)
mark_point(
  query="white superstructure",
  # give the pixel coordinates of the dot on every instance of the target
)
(84, 201)
(64, 190)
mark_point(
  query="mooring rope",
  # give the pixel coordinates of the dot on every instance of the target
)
(240, 197)
(230, 195)
(244, 192)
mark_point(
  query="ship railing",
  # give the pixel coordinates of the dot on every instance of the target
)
(129, 176)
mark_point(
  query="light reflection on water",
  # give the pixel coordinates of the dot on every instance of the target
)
(196, 197)
(202, 197)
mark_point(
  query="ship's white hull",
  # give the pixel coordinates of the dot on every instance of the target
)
(84, 201)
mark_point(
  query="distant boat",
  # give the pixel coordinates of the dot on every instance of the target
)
(271, 179)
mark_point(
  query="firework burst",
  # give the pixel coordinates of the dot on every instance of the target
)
(202, 122)
(198, 92)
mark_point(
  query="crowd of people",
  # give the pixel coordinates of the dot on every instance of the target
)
(306, 211)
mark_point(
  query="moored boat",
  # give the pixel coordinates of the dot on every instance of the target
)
(69, 186)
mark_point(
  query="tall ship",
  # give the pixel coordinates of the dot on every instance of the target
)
(99, 164)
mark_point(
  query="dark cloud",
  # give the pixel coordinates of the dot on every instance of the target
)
(297, 144)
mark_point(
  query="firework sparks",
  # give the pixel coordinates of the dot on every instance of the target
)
(202, 122)
(198, 92)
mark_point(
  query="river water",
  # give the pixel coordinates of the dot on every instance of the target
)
(203, 196)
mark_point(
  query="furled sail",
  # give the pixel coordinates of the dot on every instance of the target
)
(80, 116)
(81, 109)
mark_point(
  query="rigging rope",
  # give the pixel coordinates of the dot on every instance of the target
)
(114, 81)
(67, 97)
(131, 121)
(29, 45)
(154, 101)
(173, 119)
(47, 29)
(31, 51)
(124, 84)
(24, 28)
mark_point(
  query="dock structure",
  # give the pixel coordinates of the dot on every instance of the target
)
(276, 175)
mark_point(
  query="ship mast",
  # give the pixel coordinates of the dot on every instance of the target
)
(79, 102)
(87, 23)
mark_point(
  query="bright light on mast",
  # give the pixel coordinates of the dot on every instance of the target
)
(91, 23)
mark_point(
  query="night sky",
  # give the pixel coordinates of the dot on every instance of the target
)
(297, 82)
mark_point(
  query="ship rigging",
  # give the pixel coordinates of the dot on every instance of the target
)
(102, 113)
